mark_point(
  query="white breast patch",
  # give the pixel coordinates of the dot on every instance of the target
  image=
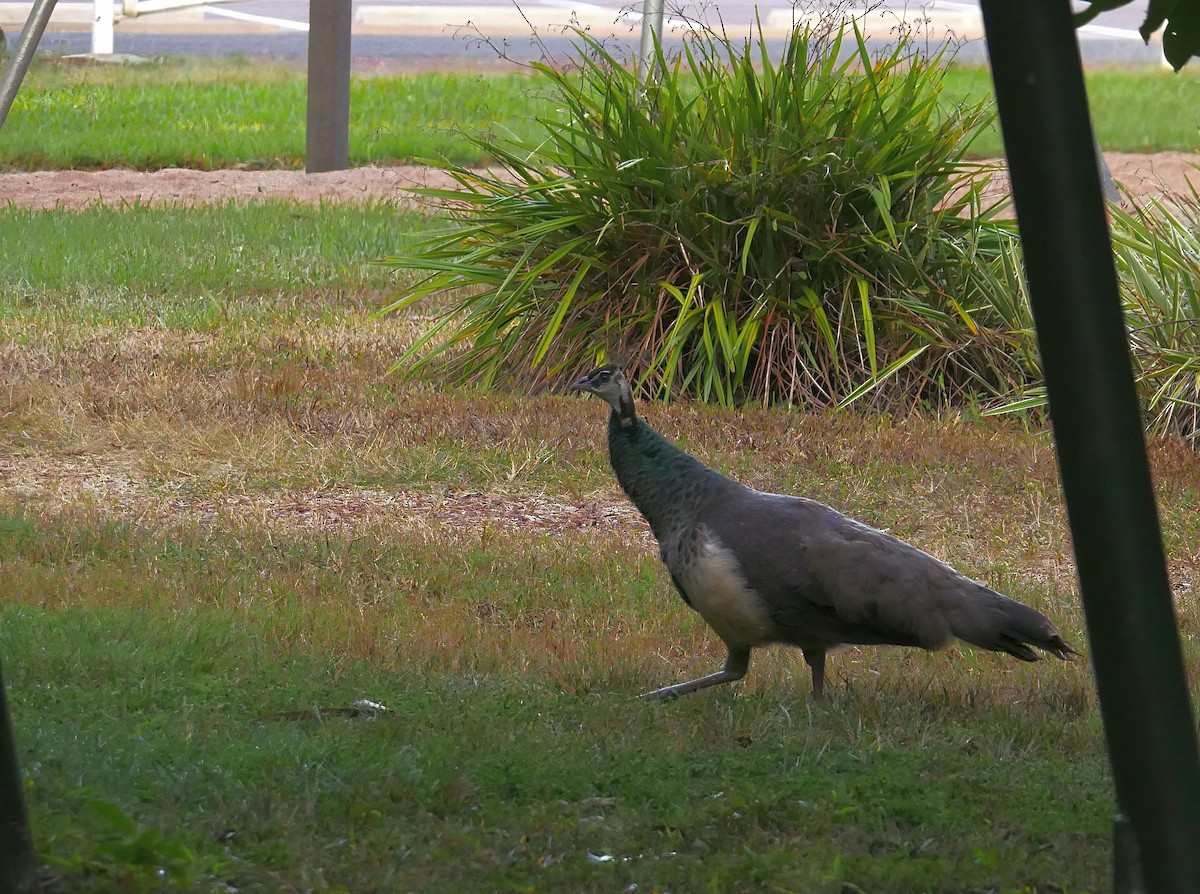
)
(718, 590)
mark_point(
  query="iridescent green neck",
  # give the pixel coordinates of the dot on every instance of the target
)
(664, 482)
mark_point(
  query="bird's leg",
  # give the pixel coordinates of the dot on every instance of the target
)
(816, 660)
(735, 668)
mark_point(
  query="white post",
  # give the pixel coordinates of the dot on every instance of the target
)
(652, 24)
(102, 27)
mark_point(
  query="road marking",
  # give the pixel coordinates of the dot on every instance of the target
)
(286, 24)
(1094, 30)
(586, 7)
(1105, 31)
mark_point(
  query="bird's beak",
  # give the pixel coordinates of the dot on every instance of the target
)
(580, 384)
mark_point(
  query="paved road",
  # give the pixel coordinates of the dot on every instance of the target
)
(448, 30)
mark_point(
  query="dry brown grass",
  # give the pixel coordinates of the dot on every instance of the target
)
(300, 434)
(482, 597)
(458, 555)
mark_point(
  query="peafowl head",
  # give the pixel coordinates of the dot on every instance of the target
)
(609, 383)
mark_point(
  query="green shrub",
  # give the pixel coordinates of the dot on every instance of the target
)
(739, 229)
(1156, 244)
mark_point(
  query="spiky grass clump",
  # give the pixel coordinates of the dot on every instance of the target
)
(1157, 247)
(804, 230)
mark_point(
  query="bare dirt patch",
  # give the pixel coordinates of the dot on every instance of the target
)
(1157, 174)
(180, 186)
(1163, 173)
(119, 491)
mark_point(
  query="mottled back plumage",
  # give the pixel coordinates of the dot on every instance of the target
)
(768, 568)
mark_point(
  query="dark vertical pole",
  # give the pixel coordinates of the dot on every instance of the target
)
(328, 134)
(1102, 459)
(18, 867)
(18, 64)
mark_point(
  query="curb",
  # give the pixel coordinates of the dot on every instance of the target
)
(498, 21)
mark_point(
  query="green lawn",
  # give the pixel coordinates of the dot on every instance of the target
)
(181, 113)
(184, 113)
(1133, 110)
(222, 522)
(210, 731)
(194, 267)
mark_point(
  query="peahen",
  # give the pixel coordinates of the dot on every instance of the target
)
(766, 568)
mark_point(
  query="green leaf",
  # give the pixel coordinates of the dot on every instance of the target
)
(555, 322)
(747, 241)
(1035, 400)
(864, 303)
(113, 816)
(1181, 38)
(1157, 12)
(888, 371)
(1094, 9)
(881, 193)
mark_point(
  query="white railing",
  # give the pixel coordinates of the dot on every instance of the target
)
(145, 7)
(104, 14)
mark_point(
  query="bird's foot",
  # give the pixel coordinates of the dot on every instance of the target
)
(678, 689)
(666, 694)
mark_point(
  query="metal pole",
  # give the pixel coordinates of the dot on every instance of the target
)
(1108, 186)
(103, 12)
(18, 62)
(1135, 646)
(652, 25)
(328, 137)
(18, 866)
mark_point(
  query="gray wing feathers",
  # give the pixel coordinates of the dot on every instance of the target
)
(829, 579)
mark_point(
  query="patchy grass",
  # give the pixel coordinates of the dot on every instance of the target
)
(196, 268)
(213, 733)
(183, 113)
(1132, 110)
(190, 113)
(217, 532)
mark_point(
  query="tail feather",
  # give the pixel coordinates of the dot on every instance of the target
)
(1017, 648)
(1005, 625)
(1020, 648)
(1058, 647)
